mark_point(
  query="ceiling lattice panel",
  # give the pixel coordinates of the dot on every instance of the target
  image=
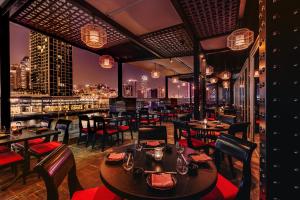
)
(212, 17)
(170, 42)
(63, 19)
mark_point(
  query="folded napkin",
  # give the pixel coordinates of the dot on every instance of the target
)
(116, 156)
(153, 143)
(201, 157)
(42, 129)
(162, 180)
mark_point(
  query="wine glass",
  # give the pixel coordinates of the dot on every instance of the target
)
(138, 145)
(128, 162)
(181, 166)
(179, 148)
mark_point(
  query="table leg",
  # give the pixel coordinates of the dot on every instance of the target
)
(26, 161)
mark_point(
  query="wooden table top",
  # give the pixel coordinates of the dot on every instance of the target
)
(135, 187)
(211, 126)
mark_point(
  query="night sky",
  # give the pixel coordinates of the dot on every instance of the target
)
(85, 64)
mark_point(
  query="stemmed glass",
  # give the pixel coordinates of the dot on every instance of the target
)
(138, 146)
(128, 162)
(181, 166)
(179, 148)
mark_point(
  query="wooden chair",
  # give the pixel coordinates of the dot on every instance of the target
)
(86, 132)
(182, 129)
(103, 131)
(124, 125)
(241, 150)
(61, 163)
(153, 133)
(47, 147)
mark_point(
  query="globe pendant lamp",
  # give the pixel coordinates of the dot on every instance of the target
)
(209, 70)
(256, 74)
(213, 80)
(225, 75)
(226, 84)
(240, 39)
(106, 61)
(93, 36)
(175, 80)
(155, 74)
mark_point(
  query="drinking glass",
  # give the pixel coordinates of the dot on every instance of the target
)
(179, 148)
(138, 146)
(128, 162)
(181, 166)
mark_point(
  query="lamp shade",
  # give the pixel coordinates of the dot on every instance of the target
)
(213, 80)
(93, 35)
(240, 39)
(106, 61)
(256, 73)
(175, 80)
(225, 75)
(155, 74)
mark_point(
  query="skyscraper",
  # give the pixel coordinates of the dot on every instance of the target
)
(51, 65)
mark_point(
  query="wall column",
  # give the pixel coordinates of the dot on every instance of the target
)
(120, 79)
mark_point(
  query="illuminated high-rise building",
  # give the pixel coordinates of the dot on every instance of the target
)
(51, 65)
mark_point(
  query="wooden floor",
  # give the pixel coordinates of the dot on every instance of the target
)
(88, 162)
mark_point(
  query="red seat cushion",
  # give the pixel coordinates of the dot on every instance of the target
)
(144, 121)
(123, 128)
(217, 133)
(155, 120)
(4, 149)
(224, 190)
(211, 119)
(44, 148)
(193, 133)
(86, 130)
(99, 193)
(133, 120)
(195, 142)
(30, 142)
(108, 131)
(9, 157)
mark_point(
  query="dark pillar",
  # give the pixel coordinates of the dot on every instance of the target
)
(231, 92)
(202, 90)
(4, 71)
(166, 87)
(196, 79)
(120, 79)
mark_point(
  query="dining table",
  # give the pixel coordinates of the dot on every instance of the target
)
(130, 185)
(24, 135)
(209, 126)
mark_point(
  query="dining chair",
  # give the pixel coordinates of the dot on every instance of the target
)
(124, 125)
(241, 150)
(85, 130)
(182, 129)
(153, 133)
(237, 128)
(48, 146)
(60, 164)
(104, 131)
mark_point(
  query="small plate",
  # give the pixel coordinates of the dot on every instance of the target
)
(150, 146)
(149, 183)
(109, 161)
(199, 162)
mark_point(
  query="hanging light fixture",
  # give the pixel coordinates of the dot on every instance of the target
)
(209, 70)
(256, 74)
(106, 61)
(225, 75)
(155, 73)
(226, 84)
(93, 35)
(213, 80)
(175, 79)
(183, 84)
(240, 39)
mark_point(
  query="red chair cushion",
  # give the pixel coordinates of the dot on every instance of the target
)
(195, 142)
(108, 131)
(224, 190)
(193, 133)
(44, 148)
(211, 119)
(217, 133)
(144, 121)
(86, 130)
(155, 119)
(30, 142)
(99, 193)
(133, 120)
(9, 157)
(123, 128)
(4, 149)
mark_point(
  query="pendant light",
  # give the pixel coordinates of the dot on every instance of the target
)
(155, 74)
(213, 80)
(209, 70)
(240, 39)
(106, 61)
(226, 84)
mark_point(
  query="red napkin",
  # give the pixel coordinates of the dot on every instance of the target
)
(116, 156)
(153, 143)
(43, 129)
(162, 180)
(201, 158)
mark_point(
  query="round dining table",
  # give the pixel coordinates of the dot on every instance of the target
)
(210, 126)
(134, 186)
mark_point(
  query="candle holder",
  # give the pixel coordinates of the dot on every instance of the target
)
(158, 153)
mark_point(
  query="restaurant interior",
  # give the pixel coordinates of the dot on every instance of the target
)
(236, 136)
